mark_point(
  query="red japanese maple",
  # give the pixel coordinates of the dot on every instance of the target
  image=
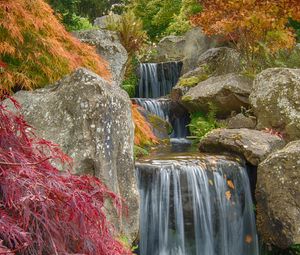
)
(43, 210)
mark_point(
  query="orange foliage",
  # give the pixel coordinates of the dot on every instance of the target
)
(248, 22)
(37, 49)
(143, 134)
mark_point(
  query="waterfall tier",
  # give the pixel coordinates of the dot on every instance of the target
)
(195, 206)
(157, 79)
(169, 111)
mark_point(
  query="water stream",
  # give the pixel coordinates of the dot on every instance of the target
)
(191, 204)
(195, 206)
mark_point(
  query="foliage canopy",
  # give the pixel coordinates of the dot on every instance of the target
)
(249, 23)
(35, 49)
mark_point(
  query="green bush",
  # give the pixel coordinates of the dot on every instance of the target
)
(181, 23)
(268, 250)
(130, 81)
(202, 123)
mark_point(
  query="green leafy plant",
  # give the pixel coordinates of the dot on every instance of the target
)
(139, 152)
(130, 81)
(202, 123)
(181, 22)
(270, 250)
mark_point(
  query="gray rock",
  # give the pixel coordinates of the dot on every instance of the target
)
(278, 197)
(179, 90)
(221, 60)
(227, 92)
(91, 121)
(170, 48)
(108, 46)
(241, 121)
(254, 145)
(276, 100)
(196, 43)
(103, 21)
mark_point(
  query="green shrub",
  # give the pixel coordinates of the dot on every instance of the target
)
(156, 15)
(269, 250)
(202, 123)
(139, 152)
(130, 81)
(181, 22)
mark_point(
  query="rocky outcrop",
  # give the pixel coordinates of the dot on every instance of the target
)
(220, 61)
(170, 48)
(253, 145)
(240, 121)
(278, 197)
(108, 45)
(276, 100)
(91, 121)
(196, 43)
(226, 92)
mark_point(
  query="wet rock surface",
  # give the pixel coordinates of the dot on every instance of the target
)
(253, 145)
(278, 196)
(91, 121)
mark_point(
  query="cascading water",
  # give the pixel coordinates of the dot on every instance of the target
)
(159, 107)
(162, 107)
(157, 79)
(195, 206)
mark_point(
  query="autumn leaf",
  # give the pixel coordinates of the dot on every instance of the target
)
(248, 239)
(211, 182)
(230, 184)
(228, 195)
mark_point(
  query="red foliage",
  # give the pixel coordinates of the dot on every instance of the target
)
(43, 210)
(274, 132)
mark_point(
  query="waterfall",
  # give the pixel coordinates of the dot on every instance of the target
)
(199, 206)
(163, 108)
(159, 107)
(157, 79)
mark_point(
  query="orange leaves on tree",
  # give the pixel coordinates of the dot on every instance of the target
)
(250, 22)
(36, 47)
(143, 134)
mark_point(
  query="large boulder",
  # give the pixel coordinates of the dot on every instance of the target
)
(253, 145)
(227, 92)
(91, 121)
(108, 45)
(220, 61)
(170, 48)
(276, 100)
(278, 197)
(196, 43)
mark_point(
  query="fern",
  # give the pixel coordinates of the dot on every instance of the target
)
(202, 123)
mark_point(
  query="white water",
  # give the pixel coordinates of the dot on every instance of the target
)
(186, 209)
(157, 79)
